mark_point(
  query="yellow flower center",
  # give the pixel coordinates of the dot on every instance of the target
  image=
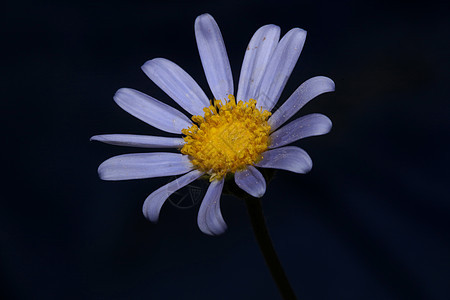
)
(227, 138)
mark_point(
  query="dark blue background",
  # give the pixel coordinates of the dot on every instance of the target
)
(370, 221)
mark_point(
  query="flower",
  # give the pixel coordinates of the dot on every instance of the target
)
(225, 135)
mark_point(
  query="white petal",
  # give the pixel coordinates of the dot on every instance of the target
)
(257, 56)
(213, 56)
(142, 141)
(176, 83)
(288, 158)
(154, 202)
(144, 165)
(309, 125)
(251, 181)
(210, 220)
(280, 68)
(151, 111)
(302, 95)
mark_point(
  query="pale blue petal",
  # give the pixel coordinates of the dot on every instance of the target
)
(154, 202)
(256, 59)
(213, 56)
(210, 220)
(280, 68)
(309, 125)
(302, 95)
(288, 158)
(144, 165)
(251, 181)
(178, 84)
(142, 141)
(151, 111)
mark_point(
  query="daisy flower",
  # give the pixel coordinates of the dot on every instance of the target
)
(225, 137)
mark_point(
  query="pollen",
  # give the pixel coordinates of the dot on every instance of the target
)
(229, 137)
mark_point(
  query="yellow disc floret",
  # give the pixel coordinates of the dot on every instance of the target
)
(227, 138)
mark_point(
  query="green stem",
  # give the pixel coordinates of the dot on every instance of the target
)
(255, 212)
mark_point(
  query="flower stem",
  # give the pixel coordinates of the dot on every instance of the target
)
(255, 212)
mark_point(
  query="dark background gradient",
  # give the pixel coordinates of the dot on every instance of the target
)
(370, 221)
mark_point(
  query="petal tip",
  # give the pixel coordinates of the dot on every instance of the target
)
(101, 172)
(203, 16)
(332, 85)
(259, 194)
(299, 31)
(206, 231)
(145, 66)
(326, 83)
(262, 193)
(120, 93)
(217, 230)
(154, 218)
(308, 166)
(270, 27)
(148, 64)
(329, 124)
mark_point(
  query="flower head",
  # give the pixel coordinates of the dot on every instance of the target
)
(228, 138)
(225, 135)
